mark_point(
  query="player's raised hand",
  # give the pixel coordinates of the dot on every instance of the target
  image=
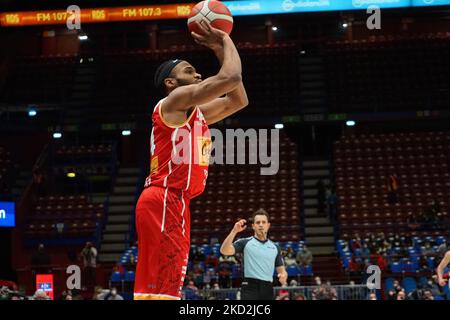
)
(211, 37)
(442, 282)
(240, 226)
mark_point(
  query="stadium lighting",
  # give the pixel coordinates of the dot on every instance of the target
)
(71, 175)
(350, 123)
(126, 132)
(275, 28)
(32, 113)
(279, 126)
(57, 135)
(83, 36)
(345, 25)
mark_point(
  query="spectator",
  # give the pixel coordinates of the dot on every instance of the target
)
(40, 295)
(332, 202)
(118, 267)
(113, 295)
(39, 183)
(356, 244)
(283, 293)
(230, 260)
(131, 265)
(392, 295)
(392, 188)
(372, 296)
(212, 261)
(225, 275)
(89, 256)
(198, 256)
(427, 295)
(40, 260)
(321, 196)
(293, 283)
(427, 250)
(365, 251)
(434, 287)
(290, 258)
(354, 266)
(192, 292)
(299, 296)
(68, 297)
(198, 273)
(98, 293)
(304, 257)
(401, 295)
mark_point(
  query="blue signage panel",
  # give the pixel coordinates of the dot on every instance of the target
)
(240, 8)
(429, 3)
(7, 214)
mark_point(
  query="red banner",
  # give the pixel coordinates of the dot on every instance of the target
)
(97, 15)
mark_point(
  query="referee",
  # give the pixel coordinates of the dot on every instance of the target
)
(261, 256)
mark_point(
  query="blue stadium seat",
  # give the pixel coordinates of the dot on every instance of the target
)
(357, 252)
(389, 284)
(129, 276)
(438, 298)
(396, 267)
(440, 240)
(431, 262)
(307, 271)
(293, 271)
(116, 277)
(409, 284)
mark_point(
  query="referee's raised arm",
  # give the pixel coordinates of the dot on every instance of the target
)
(227, 248)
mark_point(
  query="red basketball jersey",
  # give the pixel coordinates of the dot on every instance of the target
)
(179, 154)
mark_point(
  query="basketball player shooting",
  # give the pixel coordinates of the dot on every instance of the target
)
(440, 269)
(162, 211)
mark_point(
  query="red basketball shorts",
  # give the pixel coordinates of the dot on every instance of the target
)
(163, 230)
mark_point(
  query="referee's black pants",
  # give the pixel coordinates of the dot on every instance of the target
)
(254, 289)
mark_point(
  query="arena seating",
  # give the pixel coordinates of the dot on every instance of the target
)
(64, 218)
(363, 164)
(5, 166)
(375, 74)
(236, 191)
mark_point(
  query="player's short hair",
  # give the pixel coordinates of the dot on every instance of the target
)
(260, 212)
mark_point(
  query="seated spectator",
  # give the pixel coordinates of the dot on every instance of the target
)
(299, 296)
(423, 264)
(283, 294)
(293, 283)
(356, 244)
(192, 292)
(304, 257)
(113, 295)
(365, 251)
(427, 250)
(290, 258)
(198, 273)
(212, 261)
(227, 259)
(372, 296)
(118, 267)
(354, 266)
(197, 256)
(401, 295)
(40, 295)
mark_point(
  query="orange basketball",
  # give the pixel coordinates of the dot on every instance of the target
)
(215, 12)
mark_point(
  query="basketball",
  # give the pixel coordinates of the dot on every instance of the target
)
(215, 12)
